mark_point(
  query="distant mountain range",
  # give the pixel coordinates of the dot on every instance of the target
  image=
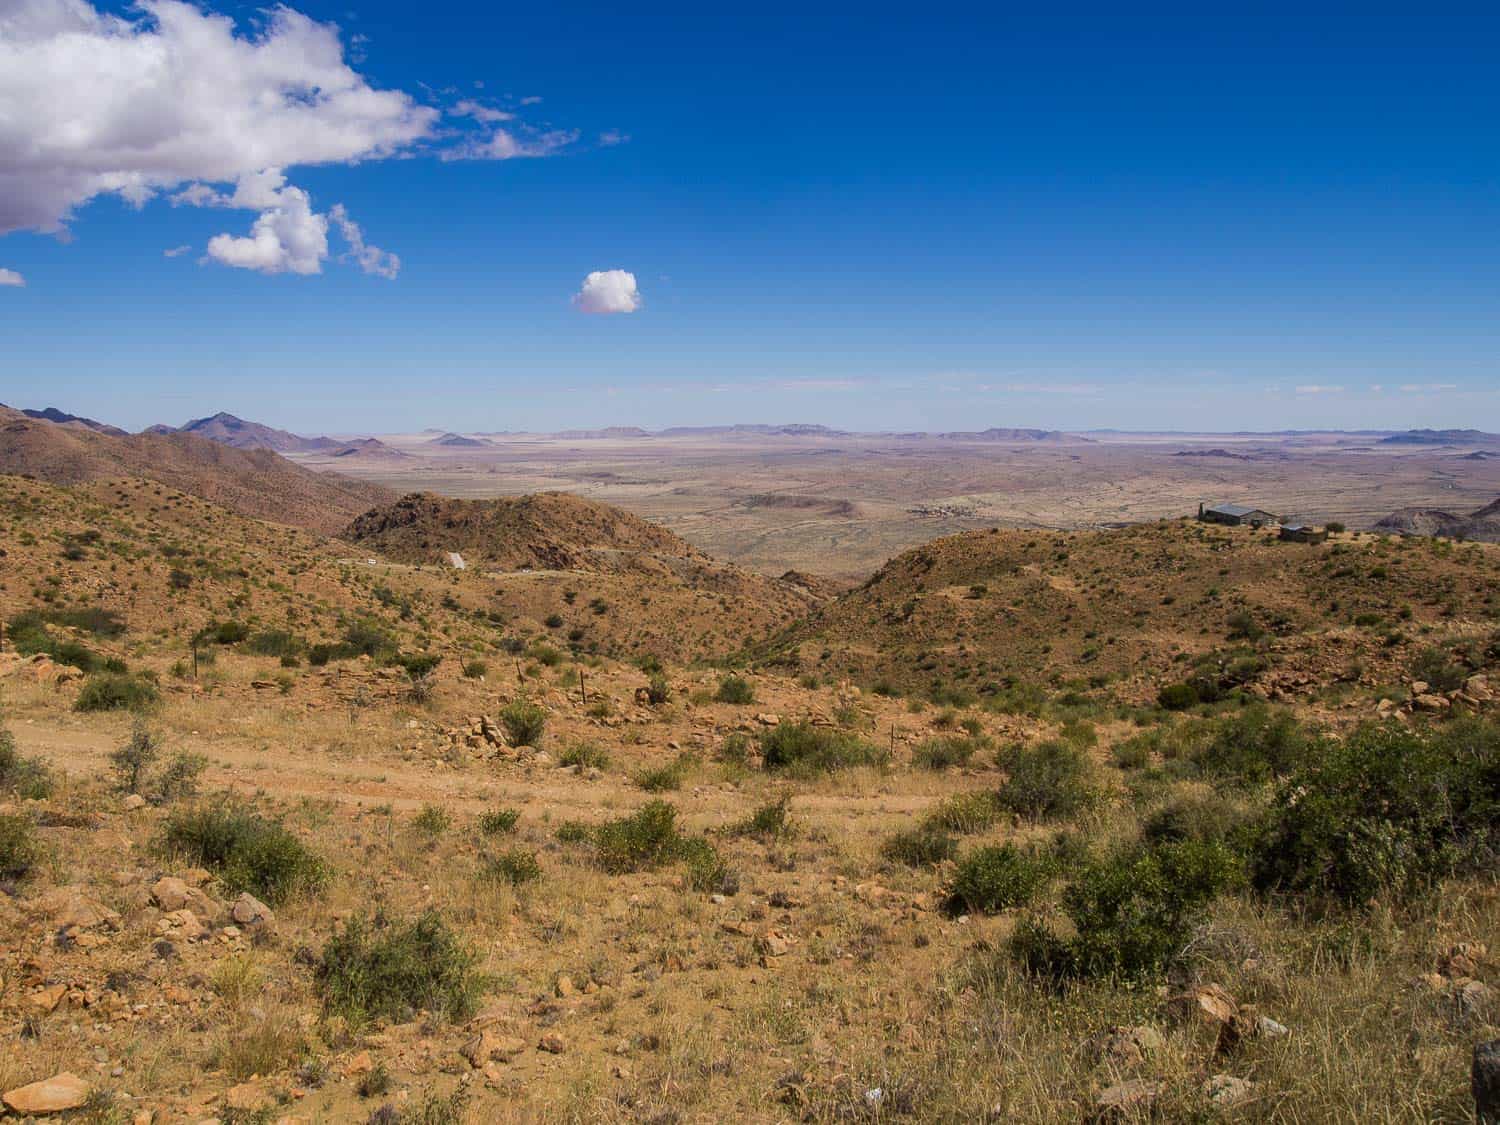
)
(52, 414)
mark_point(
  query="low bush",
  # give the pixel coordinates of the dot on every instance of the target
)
(950, 750)
(475, 669)
(967, 812)
(524, 721)
(1003, 877)
(658, 690)
(649, 838)
(802, 748)
(735, 689)
(19, 850)
(1439, 670)
(248, 852)
(117, 691)
(375, 970)
(1131, 912)
(29, 778)
(1254, 745)
(514, 866)
(275, 642)
(1386, 812)
(923, 846)
(1178, 697)
(585, 755)
(432, 821)
(497, 822)
(1047, 781)
(769, 822)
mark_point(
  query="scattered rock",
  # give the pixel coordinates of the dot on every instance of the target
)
(132, 802)
(72, 908)
(1125, 1047)
(250, 912)
(490, 1045)
(172, 895)
(1226, 1091)
(1127, 1100)
(553, 1043)
(1431, 703)
(1463, 959)
(57, 1094)
(1206, 1005)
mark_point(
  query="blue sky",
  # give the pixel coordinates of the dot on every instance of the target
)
(932, 217)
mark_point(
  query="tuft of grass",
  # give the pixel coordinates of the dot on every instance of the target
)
(375, 970)
(249, 852)
(661, 779)
(432, 821)
(649, 838)
(941, 753)
(967, 813)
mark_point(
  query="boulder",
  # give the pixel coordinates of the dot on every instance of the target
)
(1433, 704)
(1484, 1082)
(490, 1045)
(172, 895)
(1463, 959)
(1124, 1047)
(72, 908)
(1206, 1005)
(250, 912)
(57, 1094)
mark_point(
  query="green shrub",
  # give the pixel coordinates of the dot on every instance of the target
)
(275, 642)
(1178, 697)
(1134, 753)
(941, 753)
(805, 749)
(117, 691)
(499, 821)
(769, 822)
(29, 778)
(645, 839)
(475, 669)
(1131, 912)
(19, 850)
(514, 866)
(658, 690)
(1003, 877)
(132, 760)
(246, 850)
(1440, 671)
(179, 779)
(665, 778)
(523, 721)
(376, 970)
(967, 812)
(585, 755)
(1388, 811)
(432, 820)
(923, 846)
(1204, 817)
(735, 689)
(1254, 745)
(573, 832)
(649, 838)
(1049, 780)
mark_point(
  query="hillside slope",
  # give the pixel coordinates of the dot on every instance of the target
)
(256, 483)
(1136, 605)
(1482, 524)
(625, 583)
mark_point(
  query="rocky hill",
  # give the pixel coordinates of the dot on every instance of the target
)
(256, 483)
(229, 430)
(1483, 524)
(610, 575)
(52, 414)
(977, 611)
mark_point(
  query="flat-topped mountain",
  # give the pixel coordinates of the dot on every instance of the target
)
(250, 482)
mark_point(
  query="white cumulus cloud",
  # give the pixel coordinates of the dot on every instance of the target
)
(170, 98)
(608, 291)
(11, 279)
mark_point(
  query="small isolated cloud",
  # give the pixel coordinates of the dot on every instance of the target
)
(480, 112)
(1319, 389)
(1427, 388)
(507, 144)
(176, 251)
(287, 238)
(10, 279)
(372, 259)
(611, 137)
(608, 291)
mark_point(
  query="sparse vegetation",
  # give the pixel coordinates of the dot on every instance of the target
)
(803, 749)
(246, 850)
(391, 970)
(524, 721)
